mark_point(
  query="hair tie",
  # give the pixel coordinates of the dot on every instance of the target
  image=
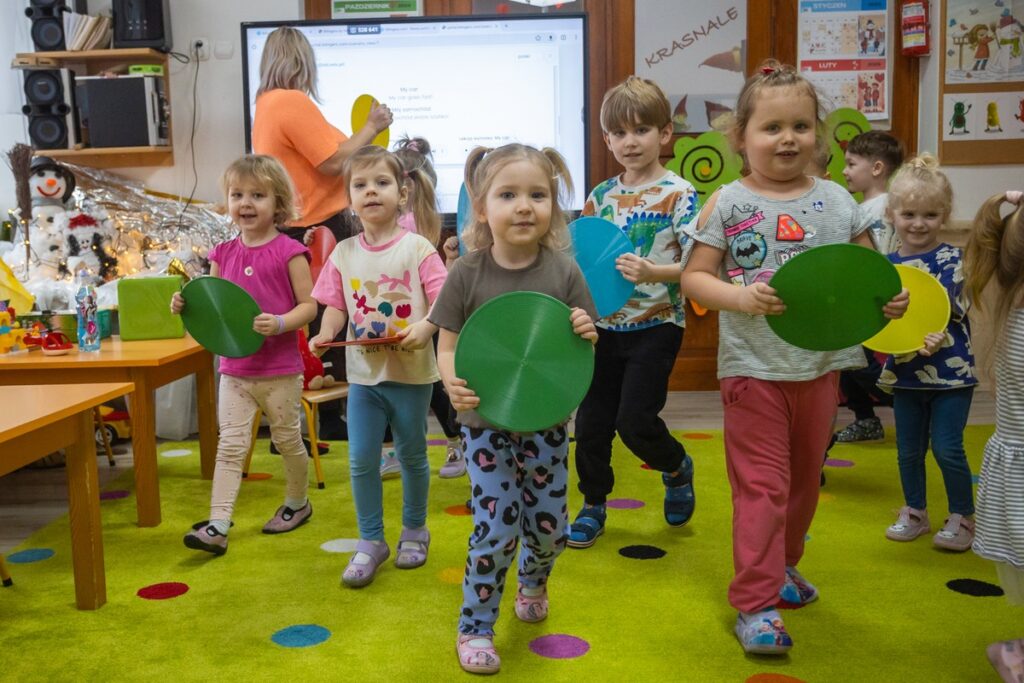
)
(413, 145)
(1014, 196)
(767, 70)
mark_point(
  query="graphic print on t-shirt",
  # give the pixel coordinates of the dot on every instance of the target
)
(380, 307)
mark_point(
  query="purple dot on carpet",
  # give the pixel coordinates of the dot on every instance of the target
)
(642, 552)
(559, 646)
(30, 555)
(113, 495)
(975, 588)
(301, 635)
(625, 503)
(437, 442)
(836, 462)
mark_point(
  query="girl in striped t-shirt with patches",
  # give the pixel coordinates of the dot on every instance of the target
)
(996, 248)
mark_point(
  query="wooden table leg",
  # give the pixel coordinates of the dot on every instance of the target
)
(84, 513)
(147, 485)
(206, 407)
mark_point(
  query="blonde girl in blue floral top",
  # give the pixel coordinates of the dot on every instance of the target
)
(933, 387)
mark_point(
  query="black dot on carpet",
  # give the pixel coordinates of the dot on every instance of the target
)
(642, 552)
(975, 588)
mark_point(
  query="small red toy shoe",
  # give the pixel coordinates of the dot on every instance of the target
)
(56, 344)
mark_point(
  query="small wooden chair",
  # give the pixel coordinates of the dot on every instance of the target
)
(310, 399)
(98, 419)
(4, 574)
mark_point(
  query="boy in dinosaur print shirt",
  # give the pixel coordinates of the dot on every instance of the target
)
(638, 344)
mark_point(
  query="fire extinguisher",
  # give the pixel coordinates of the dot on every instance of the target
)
(914, 28)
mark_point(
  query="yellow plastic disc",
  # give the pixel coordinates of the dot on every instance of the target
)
(361, 112)
(928, 312)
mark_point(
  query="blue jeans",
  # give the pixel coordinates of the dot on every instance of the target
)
(942, 414)
(370, 410)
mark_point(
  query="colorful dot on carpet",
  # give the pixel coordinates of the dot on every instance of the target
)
(452, 575)
(642, 552)
(975, 588)
(696, 436)
(301, 635)
(645, 466)
(113, 495)
(826, 497)
(773, 678)
(340, 545)
(974, 478)
(437, 442)
(625, 503)
(30, 555)
(458, 510)
(176, 453)
(838, 462)
(258, 476)
(162, 591)
(559, 646)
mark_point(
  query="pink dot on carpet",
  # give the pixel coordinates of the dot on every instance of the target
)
(559, 646)
(625, 503)
(836, 462)
(437, 442)
(696, 436)
(162, 591)
(113, 495)
(773, 678)
(258, 476)
(458, 510)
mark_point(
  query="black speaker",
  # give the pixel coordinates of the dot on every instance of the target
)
(47, 24)
(50, 108)
(142, 23)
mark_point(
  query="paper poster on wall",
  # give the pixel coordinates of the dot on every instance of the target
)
(982, 116)
(843, 50)
(375, 9)
(697, 57)
(984, 41)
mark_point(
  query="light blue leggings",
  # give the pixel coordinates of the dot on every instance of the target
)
(370, 410)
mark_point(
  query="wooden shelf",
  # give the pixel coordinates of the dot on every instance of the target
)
(114, 157)
(144, 55)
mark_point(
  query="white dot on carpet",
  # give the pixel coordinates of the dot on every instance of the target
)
(176, 453)
(340, 545)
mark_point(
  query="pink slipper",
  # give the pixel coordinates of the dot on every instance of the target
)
(477, 660)
(359, 575)
(531, 608)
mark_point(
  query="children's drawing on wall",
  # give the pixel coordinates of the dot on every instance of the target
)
(871, 35)
(871, 92)
(984, 41)
(981, 116)
(697, 58)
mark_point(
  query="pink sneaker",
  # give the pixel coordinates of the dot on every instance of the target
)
(531, 608)
(909, 525)
(478, 659)
(957, 534)
(286, 519)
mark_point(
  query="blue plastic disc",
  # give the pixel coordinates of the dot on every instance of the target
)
(597, 243)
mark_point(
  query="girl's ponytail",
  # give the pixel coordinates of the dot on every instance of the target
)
(424, 205)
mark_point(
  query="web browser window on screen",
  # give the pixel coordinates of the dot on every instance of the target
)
(459, 84)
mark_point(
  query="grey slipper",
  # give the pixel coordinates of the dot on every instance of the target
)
(412, 548)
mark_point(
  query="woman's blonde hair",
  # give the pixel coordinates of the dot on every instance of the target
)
(770, 74)
(268, 173)
(288, 63)
(484, 163)
(920, 182)
(414, 155)
(995, 249)
(428, 224)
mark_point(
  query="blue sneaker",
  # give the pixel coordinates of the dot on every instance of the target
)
(679, 497)
(588, 525)
(796, 590)
(763, 633)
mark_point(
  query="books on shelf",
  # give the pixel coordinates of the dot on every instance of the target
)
(85, 32)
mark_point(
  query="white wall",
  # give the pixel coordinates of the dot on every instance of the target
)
(972, 185)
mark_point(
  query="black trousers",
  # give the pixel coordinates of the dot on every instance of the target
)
(861, 388)
(630, 385)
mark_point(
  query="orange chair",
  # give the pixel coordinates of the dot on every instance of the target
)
(310, 399)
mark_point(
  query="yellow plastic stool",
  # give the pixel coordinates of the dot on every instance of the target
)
(310, 399)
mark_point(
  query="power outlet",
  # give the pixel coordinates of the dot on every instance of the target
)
(201, 48)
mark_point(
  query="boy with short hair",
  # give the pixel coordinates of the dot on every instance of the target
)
(871, 159)
(638, 344)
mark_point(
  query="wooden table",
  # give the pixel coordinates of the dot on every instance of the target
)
(37, 420)
(146, 364)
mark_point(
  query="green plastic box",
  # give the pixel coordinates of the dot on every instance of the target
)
(144, 308)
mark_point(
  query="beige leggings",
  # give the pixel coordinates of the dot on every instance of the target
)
(240, 397)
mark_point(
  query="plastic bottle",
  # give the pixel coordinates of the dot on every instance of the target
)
(88, 321)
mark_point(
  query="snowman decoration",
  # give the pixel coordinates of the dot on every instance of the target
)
(51, 186)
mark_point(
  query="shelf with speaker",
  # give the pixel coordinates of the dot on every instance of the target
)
(78, 114)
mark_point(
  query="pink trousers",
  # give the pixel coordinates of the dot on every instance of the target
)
(776, 434)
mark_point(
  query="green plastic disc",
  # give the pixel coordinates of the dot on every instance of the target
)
(519, 354)
(834, 296)
(219, 314)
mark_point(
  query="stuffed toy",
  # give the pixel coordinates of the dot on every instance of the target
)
(313, 377)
